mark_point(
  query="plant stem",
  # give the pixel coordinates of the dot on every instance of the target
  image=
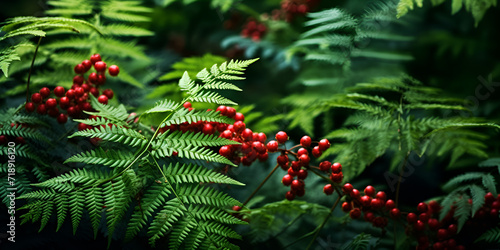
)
(261, 184)
(323, 223)
(401, 177)
(31, 69)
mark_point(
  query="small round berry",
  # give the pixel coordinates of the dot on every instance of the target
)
(236, 208)
(337, 178)
(239, 117)
(296, 166)
(53, 112)
(346, 207)
(30, 107)
(433, 223)
(187, 105)
(101, 79)
(336, 167)
(263, 157)
(222, 109)
(225, 150)
(227, 134)
(305, 141)
(365, 200)
(442, 234)
(281, 137)
(93, 78)
(376, 203)
(369, 216)
(395, 213)
(411, 218)
(3, 140)
(103, 99)
(230, 112)
(289, 195)
(262, 137)
(95, 58)
(208, 129)
(347, 188)
(100, 66)
(325, 166)
(302, 174)
(79, 91)
(437, 246)
(94, 91)
(113, 70)
(297, 185)
(489, 198)
(78, 79)
(87, 64)
(79, 68)
(272, 146)
(282, 160)
(390, 204)
(316, 152)
(355, 194)
(370, 191)
(422, 207)
(59, 91)
(45, 92)
(324, 144)
(292, 172)
(239, 126)
(419, 225)
(355, 213)
(41, 109)
(109, 93)
(259, 147)
(328, 189)
(247, 134)
(287, 180)
(302, 151)
(83, 126)
(304, 160)
(452, 229)
(51, 103)
(62, 118)
(424, 217)
(36, 98)
(85, 87)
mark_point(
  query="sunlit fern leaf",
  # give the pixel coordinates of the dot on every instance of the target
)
(76, 204)
(196, 115)
(61, 204)
(163, 106)
(115, 134)
(115, 115)
(191, 65)
(196, 139)
(125, 30)
(167, 148)
(195, 174)
(117, 200)
(100, 156)
(196, 194)
(156, 195)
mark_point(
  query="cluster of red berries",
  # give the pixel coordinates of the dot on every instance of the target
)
(252, 143)
(75, 100)
(375, 205)
(254, 29)
(297, 170)
(293, 8)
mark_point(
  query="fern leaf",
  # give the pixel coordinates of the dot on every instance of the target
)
(164, 220)
(195, 174)
(477, 194)
(114, 134)
(470, 176)
(193, 116)
(490, 184)
(196, 194)
(167, 148)
(491, 236)
(125, 30)
(463, 211)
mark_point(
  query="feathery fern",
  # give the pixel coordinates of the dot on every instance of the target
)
(169, 200)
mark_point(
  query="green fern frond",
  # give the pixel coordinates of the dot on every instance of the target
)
(196, 139)
(459, 180)
(115, 134)
(196, 115)
(491, 236)
(196, 194)
(164, 220)
(195, 174)
(167, 149)
(99, 156)
(191, 65)
(125, 30)
(361, 241)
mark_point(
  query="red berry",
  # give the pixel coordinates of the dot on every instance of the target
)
(324, 144)
(236, 208)
(62, 118)
(272, 146)
(259, 147)
(261, 137)
(304, 160)
(109, 93)
(30, 107)
(290, 196)
(297, 185)
(79, 68)
(93, 78)
(51, 103)
(302, 151)
(282, 160)
(41, 109)
(434, 206)
(263, 157)
(355, 193)
(347, 188)
(281, 137)
(79, 91)
(225, 150)
(452, 229)
(302, 174)
(187, 105)
(295, 166)
(390, 204)
(337, 178)
(83, 126)
(95, 58)
(395, 213)
(113, 70)
(328, 189)
(365, 200)
(336, 167)
(227, 134)
(3, 140)
(85, 87)
(222, 109)
(411, 218)
(230, 112)
(376, 203)
(53, 112)
(433, 223)
(100, 66)
(70, 93)
(78, 79)
(316, 152)
(36, 98)
(369, 216)
(207, 128)
(346, 207)
(489, 198)
(355, 213)
(103, 99)
(287, 180)
(437, 246)
(45, 92)
(325, 165)
(422, 207)
(370, 191)
(59, 91)
(381, 195)
(419, 225)
(101, 79)
(305, 141)
(442, 234)
(424, 217)
(292, 172)
(87, 64)
(239, 117)
(94, 91)
(239, 126)
(247, 134)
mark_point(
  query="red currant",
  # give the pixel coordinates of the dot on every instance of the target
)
(290, 196)
(239, 126)
(62, 118)
(328, 189)
(272, 146)
(325, 165)
(41, 109)
(346, 207)
(79, 68)
(297, 185)
(347, 188)
(207, 128)
(365, 200)
(225, 151)
(433, 223)
(70, 93)
(355, 213)
(390, 204)
(59, 91)
(395, 213)
(281, 137)
(236, 208)
(93, 78)
(36, 98)
(109, 93)
(336, 167)
(411, 218)
(304, 160)
(103, 99)
(45, 92)
(324, 144)
(302, 151)
(316, 152)
(305, 141)
(100, 66)
(222, 109)
(259, 147)
(113, 70)
(302, 174)
(422, 207)
(230, 112)
(87, 64)
(51, 103)
(30, 107)
(239, 117)
(376, 203)
(287, 180)
(337, 178)
(370, 191)
(79, 91)
(95, 58)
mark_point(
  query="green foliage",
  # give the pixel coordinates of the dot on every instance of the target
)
(222, 5)
(476, 7)
(361, 241)
(491, 236)
(175, 200)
